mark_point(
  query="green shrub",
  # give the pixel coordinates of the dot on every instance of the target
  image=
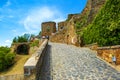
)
(35, 43)
(105, 29)
(6, 58)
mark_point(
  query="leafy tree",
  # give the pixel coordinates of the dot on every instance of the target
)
(15, 40)
(40, 33)
(27, 36)
(23, 38)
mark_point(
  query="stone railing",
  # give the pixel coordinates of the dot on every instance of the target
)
(106, 52)
(33, 64)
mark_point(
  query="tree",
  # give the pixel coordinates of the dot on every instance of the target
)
(27, 36)
(14, 40)
(40, 33)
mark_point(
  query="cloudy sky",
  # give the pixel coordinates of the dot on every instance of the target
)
(25, 16)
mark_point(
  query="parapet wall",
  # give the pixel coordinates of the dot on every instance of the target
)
(106, 52)
(33, 64)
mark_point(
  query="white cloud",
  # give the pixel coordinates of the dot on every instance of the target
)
(14, 30)
(10, 16)
(6, 43)
(32, 22)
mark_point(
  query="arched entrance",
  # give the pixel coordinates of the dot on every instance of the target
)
(23, 49)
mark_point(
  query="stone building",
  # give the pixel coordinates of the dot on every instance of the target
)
(61, 25)
(48, 28)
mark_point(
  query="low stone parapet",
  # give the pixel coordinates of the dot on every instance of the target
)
(33, 64)
(107, 52)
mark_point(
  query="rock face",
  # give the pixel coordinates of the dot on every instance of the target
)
(68, 31)
(48, 28)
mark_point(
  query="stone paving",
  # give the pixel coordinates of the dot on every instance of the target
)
(67, 62)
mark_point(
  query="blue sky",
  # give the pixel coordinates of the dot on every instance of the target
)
(25, 16)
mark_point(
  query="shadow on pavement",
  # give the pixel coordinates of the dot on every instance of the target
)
(45, 71)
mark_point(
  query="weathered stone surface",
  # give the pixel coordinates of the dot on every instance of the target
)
(72, 63)
(106, 52)
(33, 64)
(48, 28)
(61, 25)
(69, 33)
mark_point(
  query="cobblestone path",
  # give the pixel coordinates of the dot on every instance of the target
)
(68, 62)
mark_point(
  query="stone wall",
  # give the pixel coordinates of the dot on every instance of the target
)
(106, 52)
(61, 25)
(59, 37)
(48, 28)
(33, 64)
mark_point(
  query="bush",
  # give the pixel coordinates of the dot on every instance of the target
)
(6, 58)
(35, 43)
(105, 29)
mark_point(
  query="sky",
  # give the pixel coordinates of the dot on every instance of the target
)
(18, 17)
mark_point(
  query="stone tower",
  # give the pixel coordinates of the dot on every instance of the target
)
(61, 25)
(48, 28)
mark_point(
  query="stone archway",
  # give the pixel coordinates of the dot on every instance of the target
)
(23, 49)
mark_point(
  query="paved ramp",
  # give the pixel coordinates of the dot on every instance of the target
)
(67, 62)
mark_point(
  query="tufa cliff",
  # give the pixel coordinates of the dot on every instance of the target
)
(105, 29)
(69, 31)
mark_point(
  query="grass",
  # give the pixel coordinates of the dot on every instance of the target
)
(20, 60)
(17, 68)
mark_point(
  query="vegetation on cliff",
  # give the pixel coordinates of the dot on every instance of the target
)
(105, 29)
(23, 38)
(6, 58)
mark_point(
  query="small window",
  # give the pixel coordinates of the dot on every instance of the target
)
(61, 27)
